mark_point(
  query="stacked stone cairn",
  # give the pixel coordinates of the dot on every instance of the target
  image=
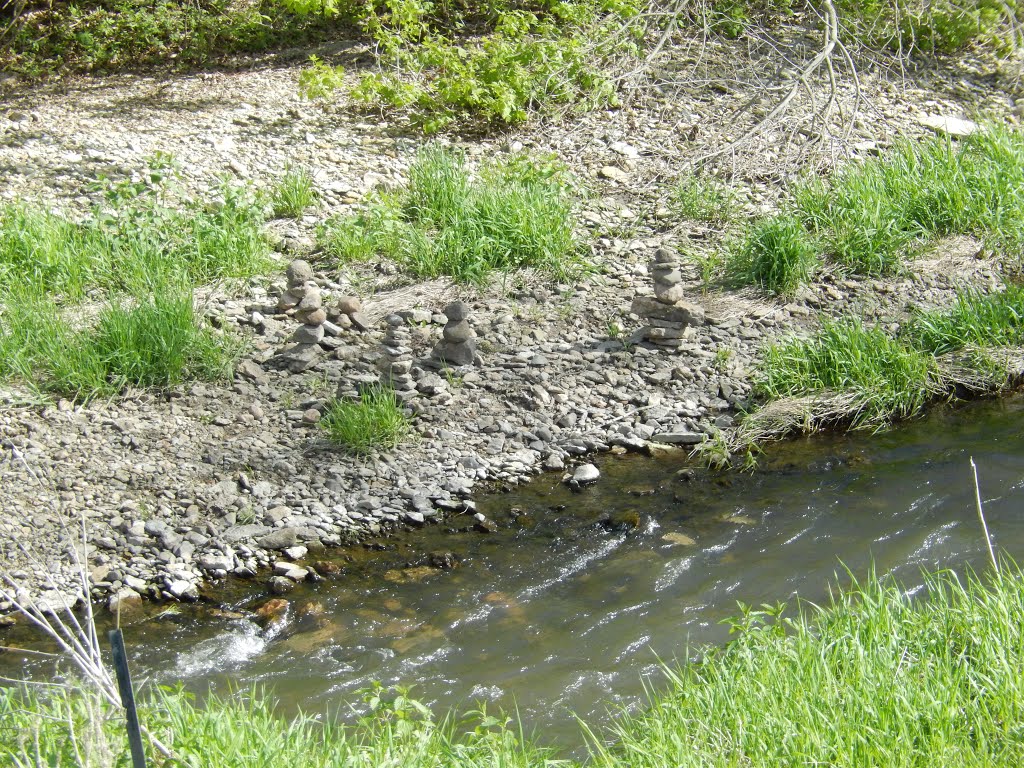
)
(396, 362)
(303, 301)
(458, 342)
(668, 316)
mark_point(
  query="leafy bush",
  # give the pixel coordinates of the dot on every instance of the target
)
(374, 421)
(523, 57)
(776, 254)
(515, 214)
(922, 26)
(108, 35)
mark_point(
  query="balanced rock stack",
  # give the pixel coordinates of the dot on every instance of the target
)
(302, 298)
(303, 301)
(667, 314)
(352, 316)
(396, 363)
(458, 343)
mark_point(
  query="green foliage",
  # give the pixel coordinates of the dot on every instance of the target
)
(995, 320)
(526, 56)
(373, 422)
(151, 340)
(133, 239)
(874, 215)
(703, 198)
(320, 80)
(876, 678)
(515, 214)
(776, 254)
(293, 194)
(108, 35)
(888, 379)
(929, 26)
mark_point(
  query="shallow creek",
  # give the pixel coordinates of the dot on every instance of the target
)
(571, 603)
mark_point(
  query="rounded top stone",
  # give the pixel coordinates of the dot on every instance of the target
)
(457, 310)
(349, 305)
(394, 320)
(299, 272)
(664, 256)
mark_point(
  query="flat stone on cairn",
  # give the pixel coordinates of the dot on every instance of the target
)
(458, 343)
(667, 314)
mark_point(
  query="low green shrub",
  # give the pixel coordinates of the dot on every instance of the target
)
(522, 57)
(889, 379)
(293, 194)
(515, 213)
(913, 27)
(703, 199)
(111, 35)
(776, 254)
(373, 422)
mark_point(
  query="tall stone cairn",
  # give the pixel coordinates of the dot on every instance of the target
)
(458, 342)
(396, 362)
(668, 316)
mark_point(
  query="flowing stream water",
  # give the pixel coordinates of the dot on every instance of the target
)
(570, 605)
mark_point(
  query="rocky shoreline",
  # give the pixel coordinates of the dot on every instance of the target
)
(181, 489)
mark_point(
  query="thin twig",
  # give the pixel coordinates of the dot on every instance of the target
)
(981, 517)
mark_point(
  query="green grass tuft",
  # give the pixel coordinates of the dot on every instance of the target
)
(374, 421)
(153, 341)
(293, 194)
(514, 214)
(874, 216)
(891, 380)
(876, 678)
(996, 320)
(776, 254)
(704, 199)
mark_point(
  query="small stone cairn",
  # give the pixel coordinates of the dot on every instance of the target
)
(458, 343)
(302, 300)
(396, 363)
(667, 314)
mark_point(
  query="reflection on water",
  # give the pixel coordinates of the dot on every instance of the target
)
(577, 597)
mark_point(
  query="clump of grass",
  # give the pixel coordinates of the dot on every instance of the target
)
(890, 379)
(513, 214)
(703, 198)
(777, 254)
(153, 341)
(875, 678)
(293, 194)
(374, 421)
(132, 241)
(872, 217)
(994, 320)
